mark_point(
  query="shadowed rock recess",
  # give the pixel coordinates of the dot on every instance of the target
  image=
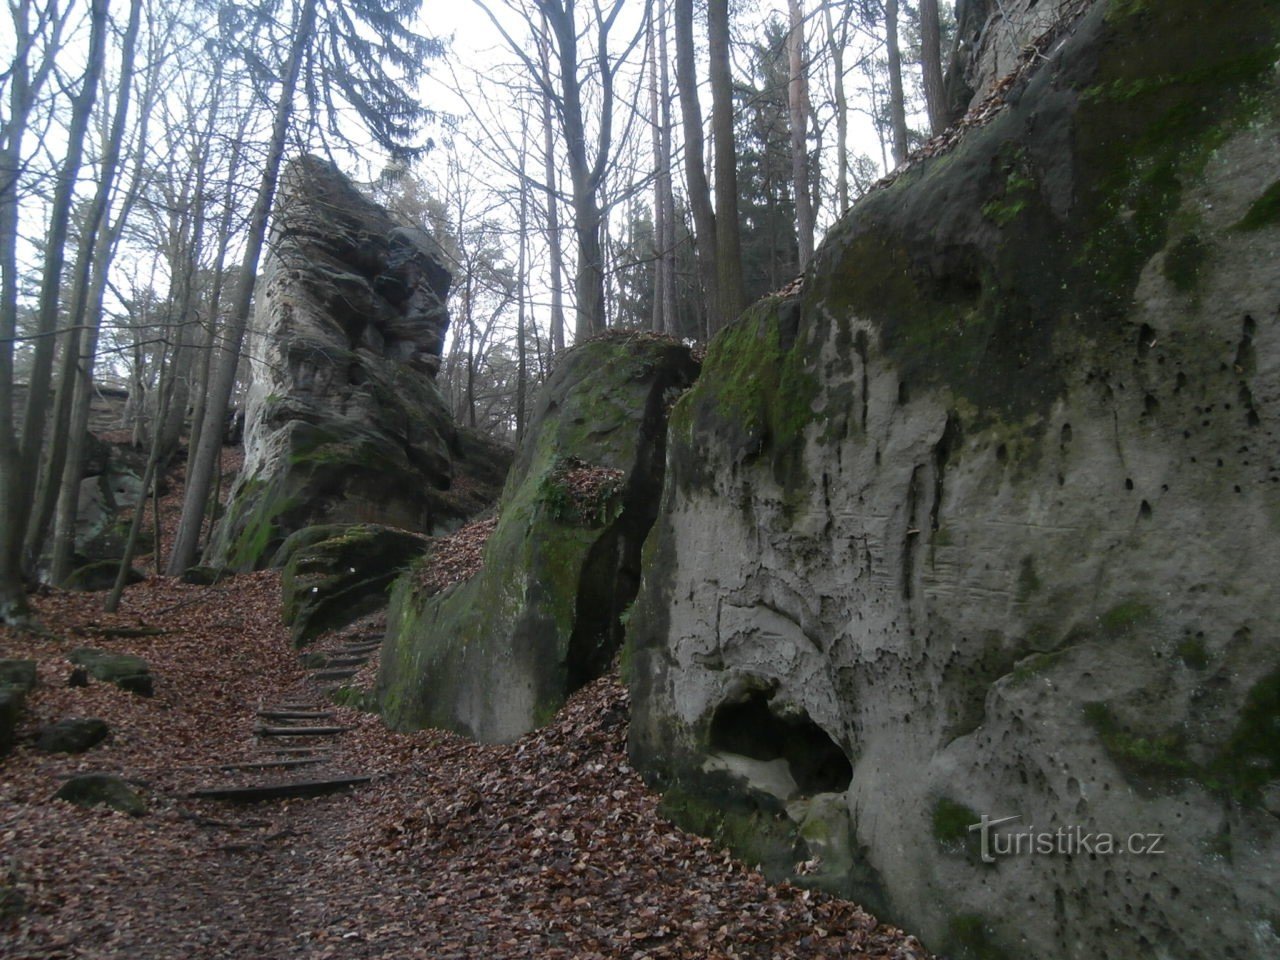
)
(496, 656)
(344, 422)
(984, 522)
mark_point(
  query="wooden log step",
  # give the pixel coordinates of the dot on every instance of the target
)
(364, 648)
(296, 714)
(275, 749)
(265, 764)
(276, 791)
(263, 730)
(343, 674)
(336, 662)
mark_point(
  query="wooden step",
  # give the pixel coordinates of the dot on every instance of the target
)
(337, 662)
(296, 714)
(276, 749)
(343, 674)
(264, 731)
(265, 764)
(354, 650)
(276, 791)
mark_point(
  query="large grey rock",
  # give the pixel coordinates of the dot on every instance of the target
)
(72, 735)
(102, 789)
(12, 700)
(344, 422)
(123, 669)
(496, 656)
(333, 575)
(984, 523)
(18, 673)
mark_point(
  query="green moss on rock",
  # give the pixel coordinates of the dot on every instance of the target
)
(1263, 212)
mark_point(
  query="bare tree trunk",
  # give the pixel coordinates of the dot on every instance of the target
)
(553, 207)
(522, 257)
(19, 484)
(209, 336)
(704, 217)
(95, 246)
(667, 240)
(659, 320)
(835, 45)
(728, 236)
(897, 103)
(164, 390)
(204, 460)
(798, 104)
(931, 64)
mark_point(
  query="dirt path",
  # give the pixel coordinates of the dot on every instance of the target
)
(550, 847)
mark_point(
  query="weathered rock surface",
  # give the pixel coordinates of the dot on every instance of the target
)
(333, 575)
(72, 735)
(496, 656)
(984, 523)
(102, 789)
(123, 669)
(990, 37)
(344, 422)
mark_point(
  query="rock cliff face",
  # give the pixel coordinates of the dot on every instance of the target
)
(984, 523)
(496, 656)
(991, 36)
(344, 423)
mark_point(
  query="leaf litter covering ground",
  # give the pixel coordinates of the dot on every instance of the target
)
(550, 847)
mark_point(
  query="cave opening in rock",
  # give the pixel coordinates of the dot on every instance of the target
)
(751, 728)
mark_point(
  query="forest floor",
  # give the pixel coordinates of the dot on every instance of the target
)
(549, 847)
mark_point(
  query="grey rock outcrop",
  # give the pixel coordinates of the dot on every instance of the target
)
(984, 523)
(496, 655)
(991, 36)
(344, 422)
(102, 789)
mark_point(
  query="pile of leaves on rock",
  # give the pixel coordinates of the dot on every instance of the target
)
(456, 557)
(549, 847)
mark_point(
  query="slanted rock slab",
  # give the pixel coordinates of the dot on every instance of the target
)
(18, 673)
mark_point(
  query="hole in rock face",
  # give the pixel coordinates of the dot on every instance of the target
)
(751, 728)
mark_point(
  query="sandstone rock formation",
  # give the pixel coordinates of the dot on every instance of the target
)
(344, 422)
(496, 656)
(984, 522)
(991, 36)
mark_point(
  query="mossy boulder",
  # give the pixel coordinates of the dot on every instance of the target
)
(102, 789)
(100, 575)
(496, 655)
(993, 503)
(11, 703)
(72, 735)
(333, 575)
(18, 673)
(123, 669)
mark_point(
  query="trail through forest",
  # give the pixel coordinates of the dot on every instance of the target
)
(549, 847)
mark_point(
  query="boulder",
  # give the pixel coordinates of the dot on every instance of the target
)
(123, 669)
(203, 576)
(496, 655)
(343, 419)
(100, 575)
(983, 523)
(72, 735)
(18, 673)
(102, 789)
(333, 575)
(11, 702)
